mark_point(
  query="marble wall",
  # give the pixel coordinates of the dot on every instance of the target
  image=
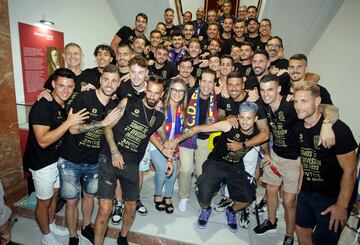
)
(11, 170)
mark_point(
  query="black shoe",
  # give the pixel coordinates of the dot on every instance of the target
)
(140, 208)
(223, 204)
(288, 240)
(73, 240)
(266, 227)
(122, 240)
(261, 207)
(59, 204)
(88, 233)
(117, 214)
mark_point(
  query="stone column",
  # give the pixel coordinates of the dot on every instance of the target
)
(11, 169)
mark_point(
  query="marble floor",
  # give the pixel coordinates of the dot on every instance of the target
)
(179, 226)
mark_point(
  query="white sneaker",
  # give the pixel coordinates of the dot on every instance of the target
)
(58, 230)
(183, 204)
(49, 239)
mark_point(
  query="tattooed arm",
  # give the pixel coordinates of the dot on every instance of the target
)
(222, 126)
(113, 116)
(116, 156)
(162, 133)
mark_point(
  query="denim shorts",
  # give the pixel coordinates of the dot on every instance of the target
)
(108, 174)
(76, 175)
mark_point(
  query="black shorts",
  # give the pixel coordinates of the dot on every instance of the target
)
(308, 215)
(108, 174)
(241, 185)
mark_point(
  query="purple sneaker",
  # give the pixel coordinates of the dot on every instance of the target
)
(231, 219)
(204, 217)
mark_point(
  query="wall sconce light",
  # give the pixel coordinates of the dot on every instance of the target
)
(46, 22)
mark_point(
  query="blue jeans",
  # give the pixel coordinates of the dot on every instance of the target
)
(75, 175)
(161, 178)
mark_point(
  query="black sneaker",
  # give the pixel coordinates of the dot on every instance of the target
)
(204, 217)
(244, 220)
(224, 203)
(60, 202)
(288, 240)
(117, 214)
(140, 208)
(73, 240)
(122, 240)
(88, 233)
(261, 206)
(265, 227)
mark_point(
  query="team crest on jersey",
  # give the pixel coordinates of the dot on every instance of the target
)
(281, 116)
(228, 106)
(94, 111)
(301, 138)
(59, 115)
(198, 72)
(135, 112)
(247, 72)
(164, 74)
(316, 141)
(131, 38)
(237, 136)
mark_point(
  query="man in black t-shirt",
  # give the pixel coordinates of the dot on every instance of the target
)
(298, 73)
(138, 45)
(135, 86)
(47, 125)
(278, 65)
(78, 161)
(229, 107)
(260, 66)
(284, 156)
(123, 55)
(185, 68)
(127, 35)
(225, 164)
(327, 191)
(91, 77)
(246, 54)
(188, 32)
(170, 27)
(73, 60)
(226, 8)
(127, 140)
(237, 39)
(162, 67)
(199, 22)
(194, 51)
(252, 26)
(155, 40)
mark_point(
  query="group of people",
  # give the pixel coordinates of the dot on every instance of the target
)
(94, 132)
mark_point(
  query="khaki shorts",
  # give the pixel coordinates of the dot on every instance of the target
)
(289, 170)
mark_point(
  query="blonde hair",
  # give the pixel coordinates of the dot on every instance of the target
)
(308, 86)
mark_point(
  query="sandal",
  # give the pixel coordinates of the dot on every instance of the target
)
(169, 207)
(159, 205)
